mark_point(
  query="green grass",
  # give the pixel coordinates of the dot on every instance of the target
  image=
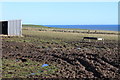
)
(11, 68)
(40, 26)
(66, 36)
(56, 37)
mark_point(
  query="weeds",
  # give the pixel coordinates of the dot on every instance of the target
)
(11, 68)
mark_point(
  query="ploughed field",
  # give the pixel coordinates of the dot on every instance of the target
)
(71, 58)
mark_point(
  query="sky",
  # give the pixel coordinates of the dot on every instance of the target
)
(59, 0)
(61, 13)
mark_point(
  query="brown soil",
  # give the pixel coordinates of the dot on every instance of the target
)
(83, 60)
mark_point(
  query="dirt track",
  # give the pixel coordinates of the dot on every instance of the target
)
(82, 60)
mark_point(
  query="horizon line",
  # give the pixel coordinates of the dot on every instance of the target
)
(69, 24)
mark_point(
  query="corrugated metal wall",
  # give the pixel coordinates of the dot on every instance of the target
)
(15, 27)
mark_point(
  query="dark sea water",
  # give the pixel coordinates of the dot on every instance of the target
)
(90, 27)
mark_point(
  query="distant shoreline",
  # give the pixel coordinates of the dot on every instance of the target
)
(89, 27)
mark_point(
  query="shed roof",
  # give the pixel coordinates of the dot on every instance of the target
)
(9, 20)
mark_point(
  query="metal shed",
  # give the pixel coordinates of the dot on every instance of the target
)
(11, 27)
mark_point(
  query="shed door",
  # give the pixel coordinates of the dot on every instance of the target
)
(5, 27)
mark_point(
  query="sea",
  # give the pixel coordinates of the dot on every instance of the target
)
(88, 27)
